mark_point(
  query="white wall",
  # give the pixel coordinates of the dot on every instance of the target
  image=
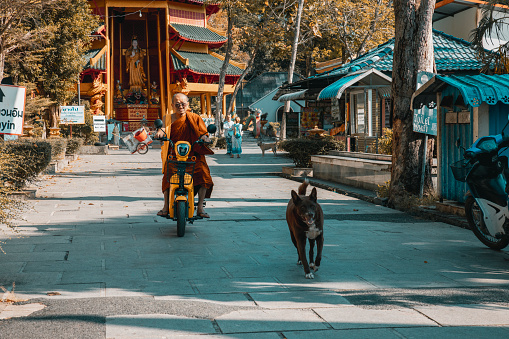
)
(462, 24)
(459, 25)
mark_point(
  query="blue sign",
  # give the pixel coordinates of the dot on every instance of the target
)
(425, 120)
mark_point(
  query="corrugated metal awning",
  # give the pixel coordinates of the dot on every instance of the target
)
(336, 89)
(292, 96)
(475, 89)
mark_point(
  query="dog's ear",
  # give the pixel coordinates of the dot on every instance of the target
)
(295, 197)
(312, 196)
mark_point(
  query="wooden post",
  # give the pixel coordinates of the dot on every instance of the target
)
(168, 79)
(224, 106)
(107, 99)
(162, 94)
(149, 89)
(202, 103)
(209, 108)
(120, 56)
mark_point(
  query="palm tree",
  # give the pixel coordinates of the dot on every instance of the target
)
(494, 20)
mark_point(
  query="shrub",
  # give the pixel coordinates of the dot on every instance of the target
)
(219, 142)
(73, 145)
(300, 150)
(58, 147)
(29, 158)
(385, 142)
(10, 208)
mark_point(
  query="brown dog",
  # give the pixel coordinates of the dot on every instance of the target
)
(269, 145)
(305, 220)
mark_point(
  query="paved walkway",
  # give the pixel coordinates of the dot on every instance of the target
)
(93, 261)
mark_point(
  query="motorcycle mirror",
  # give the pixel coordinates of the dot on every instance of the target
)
(458, 143)
(211, 128)
(158, 123)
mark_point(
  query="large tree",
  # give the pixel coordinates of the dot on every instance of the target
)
(21, 28)
(413, 52)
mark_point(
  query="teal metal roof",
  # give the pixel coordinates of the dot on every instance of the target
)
(203, 63)
(100, 64)
(451, 54)
(474, 89)
(477, 89)
(198, 34)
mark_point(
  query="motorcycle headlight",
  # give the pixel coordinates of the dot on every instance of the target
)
(487, 145)
(183, 149)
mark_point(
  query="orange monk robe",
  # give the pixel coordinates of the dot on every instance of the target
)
(188, 128)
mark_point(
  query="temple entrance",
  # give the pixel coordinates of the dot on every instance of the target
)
(141, 57)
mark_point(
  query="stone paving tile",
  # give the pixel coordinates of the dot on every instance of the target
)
(64, 291)
(269, 320)
(156, 325)
(236, 285)
(468, 315)
(379, 333)
(355, 317)
(298, 299)
(454, 332)
(231, 299)
(31, 279)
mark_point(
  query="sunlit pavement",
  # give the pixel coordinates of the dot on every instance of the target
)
(93, 260)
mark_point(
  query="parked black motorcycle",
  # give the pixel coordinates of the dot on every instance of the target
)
(486, 173)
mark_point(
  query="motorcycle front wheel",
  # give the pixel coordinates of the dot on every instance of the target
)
(476, 221)
(181, 218)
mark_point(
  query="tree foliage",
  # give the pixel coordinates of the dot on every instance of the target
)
(491, 26)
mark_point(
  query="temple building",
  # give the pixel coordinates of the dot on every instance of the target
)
(146, 51)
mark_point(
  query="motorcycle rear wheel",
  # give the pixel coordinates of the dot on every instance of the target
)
(181, 218)
(476, 221)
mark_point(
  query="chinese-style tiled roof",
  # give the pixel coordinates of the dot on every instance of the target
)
(100, 62)
(451, 54)
(202, 63)
(198, 34)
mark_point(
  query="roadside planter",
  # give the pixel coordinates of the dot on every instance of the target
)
(363, 170)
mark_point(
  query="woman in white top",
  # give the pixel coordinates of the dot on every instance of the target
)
(228, 132)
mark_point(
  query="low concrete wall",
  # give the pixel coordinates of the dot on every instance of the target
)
(363, 170)
(93, 150)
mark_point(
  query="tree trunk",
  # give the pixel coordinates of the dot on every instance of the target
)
(222, 76)
(413, 52)
(292, 65)
(239, 82)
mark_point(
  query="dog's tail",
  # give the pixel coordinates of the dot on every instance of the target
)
(303, 187)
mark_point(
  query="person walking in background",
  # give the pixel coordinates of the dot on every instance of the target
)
(236, 138)
(228, 132)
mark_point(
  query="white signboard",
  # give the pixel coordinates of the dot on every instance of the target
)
(72, 115)
(12, 109)
(99, 123)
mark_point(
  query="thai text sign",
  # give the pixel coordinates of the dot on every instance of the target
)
(425, 120)
(99, 123)
(72, 115)
(12, 109)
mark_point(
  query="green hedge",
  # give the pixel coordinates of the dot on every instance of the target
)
(32, 157)
(73, 145)
(300, 150)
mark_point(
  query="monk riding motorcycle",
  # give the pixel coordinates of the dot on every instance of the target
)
(485, 171)
(181, 167)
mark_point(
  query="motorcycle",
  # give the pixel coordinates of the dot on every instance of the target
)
(486, 174)
(181, 194)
